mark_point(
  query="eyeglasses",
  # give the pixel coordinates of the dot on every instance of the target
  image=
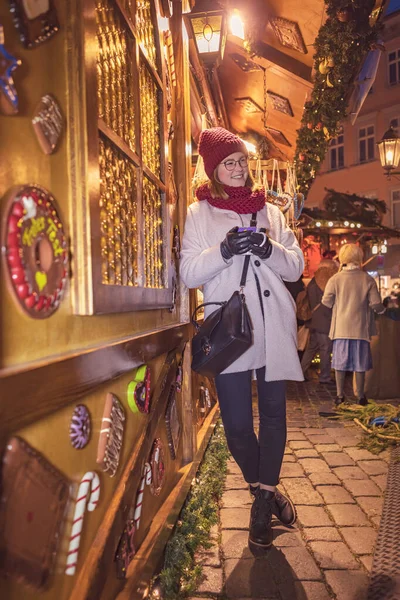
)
(231, 163)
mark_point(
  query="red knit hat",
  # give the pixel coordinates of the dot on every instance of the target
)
(216, 144)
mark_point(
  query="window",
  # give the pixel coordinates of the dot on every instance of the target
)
(336, 153)
(394, 123)
(396, 208)
(366, 143)
(124, 239)
(394, 67)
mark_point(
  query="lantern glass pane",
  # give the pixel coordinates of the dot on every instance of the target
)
(207, 31)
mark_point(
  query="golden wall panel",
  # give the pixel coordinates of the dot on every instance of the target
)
(118, 216)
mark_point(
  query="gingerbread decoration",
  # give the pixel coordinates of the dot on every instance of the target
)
(48, 123)
(111, 435)
(87, 498)
(157, 464)
(172, 422)
(80, 427)
(146, 479)
(138, 391)
(33, 502)
(125, 550)
(36, 20)
(8, 92)
(35, 250)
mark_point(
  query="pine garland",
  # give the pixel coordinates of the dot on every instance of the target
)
(180, 574)
(340, 48)
(376, 438)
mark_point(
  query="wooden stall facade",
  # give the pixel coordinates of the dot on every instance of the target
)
(95, 168)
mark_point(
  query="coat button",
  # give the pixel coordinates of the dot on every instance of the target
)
(257, 263)
(267, 293)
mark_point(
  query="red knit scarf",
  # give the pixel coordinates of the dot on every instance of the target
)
(241, 199)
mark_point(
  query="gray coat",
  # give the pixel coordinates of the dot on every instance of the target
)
(353, 295)
(275, 339)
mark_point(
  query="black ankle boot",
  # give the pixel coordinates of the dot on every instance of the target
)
(363, 401)
(339, 400)
(284, 509)
(260, 534)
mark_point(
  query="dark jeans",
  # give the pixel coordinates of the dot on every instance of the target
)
(318, 342)
(259, 459)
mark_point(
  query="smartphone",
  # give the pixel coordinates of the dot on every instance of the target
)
(247, 229)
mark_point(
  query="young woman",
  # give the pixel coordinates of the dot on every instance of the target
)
(212, 256)
(352, 294)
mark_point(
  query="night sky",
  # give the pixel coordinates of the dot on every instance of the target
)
(393, 5)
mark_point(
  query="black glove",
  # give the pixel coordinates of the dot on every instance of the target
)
(235, 242)
(260, 244)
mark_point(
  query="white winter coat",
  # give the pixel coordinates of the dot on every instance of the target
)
(275, 340)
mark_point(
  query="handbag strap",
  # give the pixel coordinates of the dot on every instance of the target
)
(253, 223)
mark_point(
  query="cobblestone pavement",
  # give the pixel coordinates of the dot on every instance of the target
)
(338, 492)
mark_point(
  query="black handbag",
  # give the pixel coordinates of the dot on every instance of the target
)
(225, 334)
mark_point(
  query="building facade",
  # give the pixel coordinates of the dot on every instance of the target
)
(352, 163)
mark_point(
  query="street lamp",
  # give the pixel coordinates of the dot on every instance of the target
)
(389, 151)
(208, 24)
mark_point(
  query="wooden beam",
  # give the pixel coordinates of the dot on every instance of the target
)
(283, 61)
(219, 99)
(200, 74)
(182, 165)
(29, 393)
(146, 559)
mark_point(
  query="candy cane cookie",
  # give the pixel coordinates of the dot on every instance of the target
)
(90, 481)
(146, 479)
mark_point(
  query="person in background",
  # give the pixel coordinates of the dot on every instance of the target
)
(217, 235)
(353, 295)
(320, 323)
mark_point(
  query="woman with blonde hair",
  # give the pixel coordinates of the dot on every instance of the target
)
(353, 295)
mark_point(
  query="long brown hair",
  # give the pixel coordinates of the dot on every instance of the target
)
(217, 188)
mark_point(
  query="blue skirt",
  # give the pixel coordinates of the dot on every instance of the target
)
(351, 355)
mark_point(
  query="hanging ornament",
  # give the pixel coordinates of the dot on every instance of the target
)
(36, 20)
(319, 126)
(8, 92)
(302, 157)
(344, 15)
(36, 250)
(323, 66)
(328, 81)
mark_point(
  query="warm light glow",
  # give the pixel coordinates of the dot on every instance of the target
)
(236, 25)
(330, 224)
(318, 224)
(383, 249)
(358, 225)
(375, 249)
(352, 225)
(346, 223)
(251, 148)
(207, 32)
(163, 23)
(389, 157)
(389, 150)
